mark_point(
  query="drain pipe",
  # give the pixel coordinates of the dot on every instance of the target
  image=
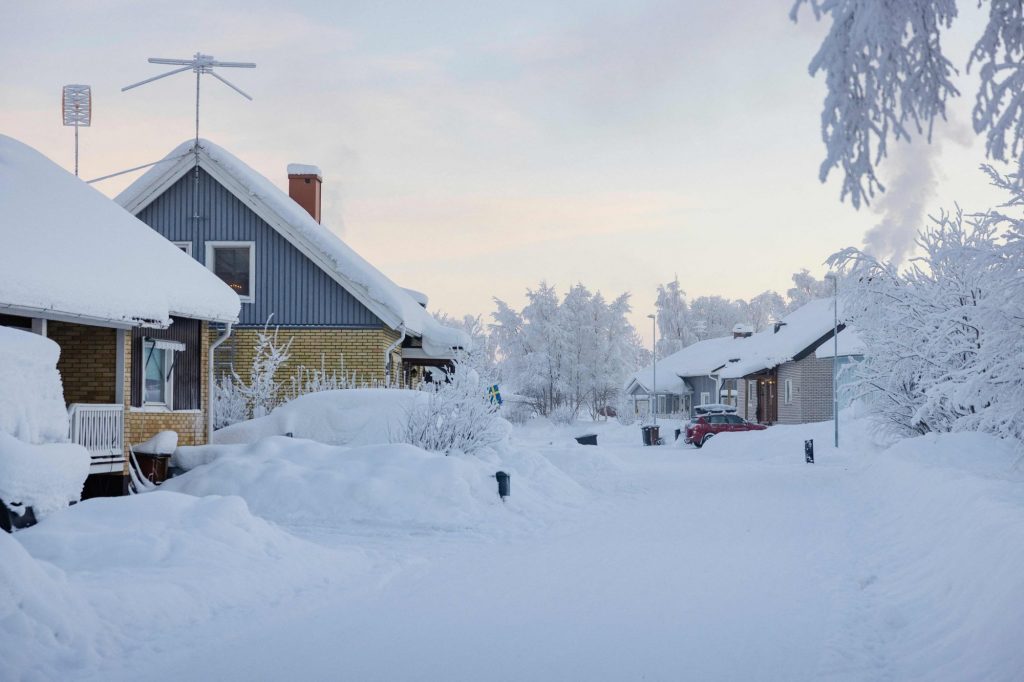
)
(212, 387)
(389, 351)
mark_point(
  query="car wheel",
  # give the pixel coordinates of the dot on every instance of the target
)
(705, 439)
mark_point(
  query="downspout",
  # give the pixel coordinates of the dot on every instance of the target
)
(209, 380)
(718, 386)
(389, 351)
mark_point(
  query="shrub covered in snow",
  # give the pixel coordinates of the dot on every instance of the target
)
(457, 416)
(31, 395)
(45, 477)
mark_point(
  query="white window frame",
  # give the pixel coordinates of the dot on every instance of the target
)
(184, 246)
(210, 246)
(705, 398)
(168, 352)
(787, 392)
(751, 392)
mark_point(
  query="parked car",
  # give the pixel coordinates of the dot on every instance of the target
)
(700, 428)
(713, 408)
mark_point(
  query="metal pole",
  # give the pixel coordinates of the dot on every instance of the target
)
(654, 352)
(76, 150)
(835, 357)
(195, 186)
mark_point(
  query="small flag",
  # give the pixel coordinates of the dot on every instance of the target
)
(494, 394)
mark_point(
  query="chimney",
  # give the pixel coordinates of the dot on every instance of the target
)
(742, 331)
(304, 187)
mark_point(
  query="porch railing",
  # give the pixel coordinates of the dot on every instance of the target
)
(100, 430)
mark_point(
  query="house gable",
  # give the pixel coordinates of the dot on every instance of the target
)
(287, 283)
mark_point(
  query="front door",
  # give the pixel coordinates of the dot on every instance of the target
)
(767, 402)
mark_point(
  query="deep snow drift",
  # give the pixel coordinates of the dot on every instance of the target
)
(736, 561)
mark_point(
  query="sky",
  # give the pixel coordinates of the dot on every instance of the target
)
(472, 149)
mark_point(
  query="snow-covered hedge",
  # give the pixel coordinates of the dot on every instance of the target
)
(31, 395)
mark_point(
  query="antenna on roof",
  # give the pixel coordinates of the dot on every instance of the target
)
(76, 106)
(200, 64)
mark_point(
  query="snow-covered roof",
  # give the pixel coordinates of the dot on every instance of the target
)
(849, 343)
(796, 333)
(67, 250)
(388, 301)
(696, 360)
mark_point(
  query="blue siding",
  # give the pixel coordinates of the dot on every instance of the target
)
(288, 284)
(702, 385)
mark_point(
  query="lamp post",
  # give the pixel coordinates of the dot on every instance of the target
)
(654, 354)
(835, 353)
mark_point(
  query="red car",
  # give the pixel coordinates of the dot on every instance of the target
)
(698, 430)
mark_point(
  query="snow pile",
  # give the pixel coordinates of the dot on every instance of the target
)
(70, 249)
(47, 624)
(395, 306)
(31, 396)
(304, 169)
(114, 574)
(46, 477)
(302, 483)
(358, 416)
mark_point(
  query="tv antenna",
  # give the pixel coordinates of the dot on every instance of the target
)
(76, 106)
(199, 64)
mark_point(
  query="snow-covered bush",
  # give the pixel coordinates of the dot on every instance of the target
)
(945, 336)
(264, 388)
(458, 415)
(563, 414)
(230, 405)
(31, 395)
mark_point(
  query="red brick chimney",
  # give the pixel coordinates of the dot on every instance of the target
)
(304, 187)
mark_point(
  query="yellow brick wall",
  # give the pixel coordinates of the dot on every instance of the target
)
(140, 425)
(358, 350)
(88, 361)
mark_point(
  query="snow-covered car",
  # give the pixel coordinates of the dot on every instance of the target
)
(713, 408)
(701, 428)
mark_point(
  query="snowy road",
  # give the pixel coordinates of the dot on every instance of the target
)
(704, 569)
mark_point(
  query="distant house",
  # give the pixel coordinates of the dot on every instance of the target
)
(285, 266)
(690, 377)
(785, 374)
(129, 311)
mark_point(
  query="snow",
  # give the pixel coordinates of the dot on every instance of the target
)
(70, 250)
(45, 477)
(799, 330)
(358, 416)
(31, 395)
(696, 360)
(304, 169)
(362, 278)
(162, 443)
(736, 561)
(849, 343)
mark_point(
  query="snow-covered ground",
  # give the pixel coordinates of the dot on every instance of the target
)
(288, 559)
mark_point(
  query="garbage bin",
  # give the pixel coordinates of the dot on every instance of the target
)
(153, 467)
(654, 437)
(645, 432)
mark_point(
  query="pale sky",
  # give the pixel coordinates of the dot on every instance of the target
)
(471, 149)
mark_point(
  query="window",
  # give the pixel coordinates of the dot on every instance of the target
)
(158, 371)
(235, 263)
(751, 392)
(705, 398)
(787, 391)
(661, 404)
(734, 419)
(184, 246)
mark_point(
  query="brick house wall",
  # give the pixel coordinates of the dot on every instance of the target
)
(338, 350)
(141, 424)
(88, 361)
(812, 390)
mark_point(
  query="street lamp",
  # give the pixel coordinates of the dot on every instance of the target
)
(654, 354)
(835, 353)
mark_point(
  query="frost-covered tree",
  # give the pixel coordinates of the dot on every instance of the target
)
(675, 323)
(806, 288)
(763, 309)
(481, 356)
(945, 336)
(714, 316)
(887, 79)
(568, 355)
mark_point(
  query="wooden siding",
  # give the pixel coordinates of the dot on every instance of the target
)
(188, 369)
(288, 284)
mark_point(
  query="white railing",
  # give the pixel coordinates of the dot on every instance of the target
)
(100, 430)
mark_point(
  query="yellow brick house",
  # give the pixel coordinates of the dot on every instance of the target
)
(130, 312)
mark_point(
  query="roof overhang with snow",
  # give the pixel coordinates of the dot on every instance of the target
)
(385, 299)
(70, 253)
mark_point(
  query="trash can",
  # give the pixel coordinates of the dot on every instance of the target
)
(654, 437)
(587, 439)
(504, 484)
(153, 467)
(645, 432)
